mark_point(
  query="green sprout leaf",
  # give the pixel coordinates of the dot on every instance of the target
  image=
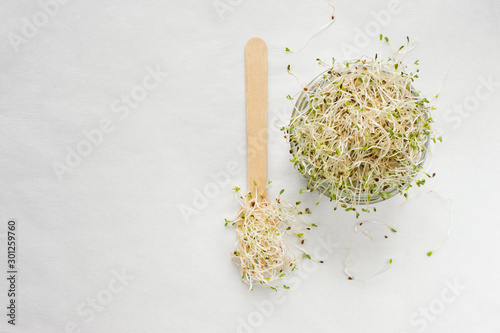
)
(287, 49)
(429, 253)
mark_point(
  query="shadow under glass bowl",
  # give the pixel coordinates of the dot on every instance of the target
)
(362, 199)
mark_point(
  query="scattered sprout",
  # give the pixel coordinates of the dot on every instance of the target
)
(261, 251)
(348, 263)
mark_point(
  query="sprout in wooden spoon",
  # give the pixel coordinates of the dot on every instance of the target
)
(261, 250)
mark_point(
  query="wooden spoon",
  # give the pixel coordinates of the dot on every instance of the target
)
(256, 102)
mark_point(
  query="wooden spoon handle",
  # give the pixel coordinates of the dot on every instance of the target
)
(256, 101)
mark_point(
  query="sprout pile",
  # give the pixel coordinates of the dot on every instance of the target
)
(360, 132)
(261, 226)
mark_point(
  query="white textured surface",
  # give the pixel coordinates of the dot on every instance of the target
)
(119, 209)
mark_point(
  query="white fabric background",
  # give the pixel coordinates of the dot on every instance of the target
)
(119, 209)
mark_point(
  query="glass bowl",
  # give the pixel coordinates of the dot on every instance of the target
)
(363, 198)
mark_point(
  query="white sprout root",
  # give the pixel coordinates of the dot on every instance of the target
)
(261, 250)
(348, 263)
(448, 233)
(360, 132)
(316, 33)
(358, 229)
